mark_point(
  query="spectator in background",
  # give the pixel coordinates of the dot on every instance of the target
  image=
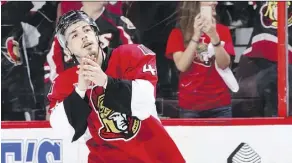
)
(202, 91)
(262, 77)
(113, 6)
(114, 30)
(27, 29)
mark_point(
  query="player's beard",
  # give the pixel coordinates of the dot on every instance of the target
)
(94, 53)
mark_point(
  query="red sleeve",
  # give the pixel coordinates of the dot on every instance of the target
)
(131, 89)
(53, 96)
(144, 63)
(62, 86)
(69, 112)
(225, 35)
(175, 43)
(138, 62)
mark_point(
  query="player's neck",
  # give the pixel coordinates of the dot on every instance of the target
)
(94, 13)
(101, 56)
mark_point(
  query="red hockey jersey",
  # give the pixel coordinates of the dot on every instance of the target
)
(264, 39)
(122, 120)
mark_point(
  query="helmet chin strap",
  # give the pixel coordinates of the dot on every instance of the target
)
(100, 48)
(73, 56)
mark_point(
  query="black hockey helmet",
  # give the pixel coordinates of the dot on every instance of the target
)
(70, 18)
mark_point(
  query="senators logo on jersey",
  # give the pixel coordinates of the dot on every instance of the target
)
(202, 55)
(116, 125)
(269, 14)
(12, 53)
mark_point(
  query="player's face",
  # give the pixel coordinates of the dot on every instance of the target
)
(81, 39)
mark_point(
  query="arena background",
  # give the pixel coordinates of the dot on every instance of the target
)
(246, 138)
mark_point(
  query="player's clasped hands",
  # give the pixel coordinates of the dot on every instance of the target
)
(90, 71)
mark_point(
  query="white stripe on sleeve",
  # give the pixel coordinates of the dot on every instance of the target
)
(143, 99)
(59, 122)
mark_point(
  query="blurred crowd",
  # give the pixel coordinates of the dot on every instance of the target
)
(203, 85)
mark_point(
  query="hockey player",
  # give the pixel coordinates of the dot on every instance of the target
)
(115, 30)
(110, 95)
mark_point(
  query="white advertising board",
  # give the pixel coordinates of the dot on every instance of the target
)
(198, 144)
(215, 144)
